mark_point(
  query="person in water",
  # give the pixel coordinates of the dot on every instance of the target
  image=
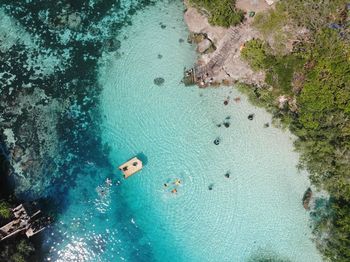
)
(109, 181)
(177, 182)
(166, 185)
(174, 191)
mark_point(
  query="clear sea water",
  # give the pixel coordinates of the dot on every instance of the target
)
(254, 214)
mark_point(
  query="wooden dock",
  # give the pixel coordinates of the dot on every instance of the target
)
(131, 167)
(201, 74)
(23, 221)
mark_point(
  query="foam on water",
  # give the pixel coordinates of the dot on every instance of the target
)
(255, 212)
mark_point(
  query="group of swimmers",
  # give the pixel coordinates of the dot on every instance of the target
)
(177, 183)
(108, 182)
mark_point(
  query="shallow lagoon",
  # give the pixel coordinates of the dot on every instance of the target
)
(257, 211)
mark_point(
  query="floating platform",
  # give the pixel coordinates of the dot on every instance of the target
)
(131, 167)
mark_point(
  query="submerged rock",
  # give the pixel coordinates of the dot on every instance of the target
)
(251, 116)
(112, 45)
(159, 81)
(74, 21)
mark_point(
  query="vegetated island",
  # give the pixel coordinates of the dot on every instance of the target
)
(291, 57)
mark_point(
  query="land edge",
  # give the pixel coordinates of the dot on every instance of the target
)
(244, 78)
(234, 70)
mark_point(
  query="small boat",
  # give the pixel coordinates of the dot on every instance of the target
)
(131, 167)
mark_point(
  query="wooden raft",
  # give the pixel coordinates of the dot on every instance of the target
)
(131, 167)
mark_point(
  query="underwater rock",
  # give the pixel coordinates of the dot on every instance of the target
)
(112, 45)
(160, 56)
(74, 21)
(181, 40)
(251, 117)
(17, 153)
(68, 19)
(266, 125)
(227, 124)
(217, 141)
(159, 81)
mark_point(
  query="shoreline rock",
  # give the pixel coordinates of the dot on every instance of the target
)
(233, 68)
(307, 198)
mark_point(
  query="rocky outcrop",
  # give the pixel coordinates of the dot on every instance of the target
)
(307, 198)
(204, 44)
(224, 65)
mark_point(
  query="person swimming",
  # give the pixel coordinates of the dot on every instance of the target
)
(109, 181)
(174, 191)
(166, 185)
(177, 182)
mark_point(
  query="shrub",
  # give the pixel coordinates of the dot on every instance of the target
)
(255, 53)
(221, 12)
(4, 210)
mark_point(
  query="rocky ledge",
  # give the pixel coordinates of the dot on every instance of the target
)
(214, 41)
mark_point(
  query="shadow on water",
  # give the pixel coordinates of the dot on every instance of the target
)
(143, 158)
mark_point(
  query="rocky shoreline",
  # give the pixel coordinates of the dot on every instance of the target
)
(233, 68)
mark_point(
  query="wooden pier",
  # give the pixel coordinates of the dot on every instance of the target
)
(24, 222)
(131, 167)
(202, 74)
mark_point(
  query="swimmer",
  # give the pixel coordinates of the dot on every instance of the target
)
(174, 191)
(166, 185)
(177, 182)
(109, 181)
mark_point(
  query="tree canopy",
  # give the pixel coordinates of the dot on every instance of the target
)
(316, 75)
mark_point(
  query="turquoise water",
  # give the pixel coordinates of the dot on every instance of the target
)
(256, 213)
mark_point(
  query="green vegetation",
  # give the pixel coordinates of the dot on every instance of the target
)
(4, 210)
(221, 12)
(315, 77)
(255, 52)
(20, 252)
